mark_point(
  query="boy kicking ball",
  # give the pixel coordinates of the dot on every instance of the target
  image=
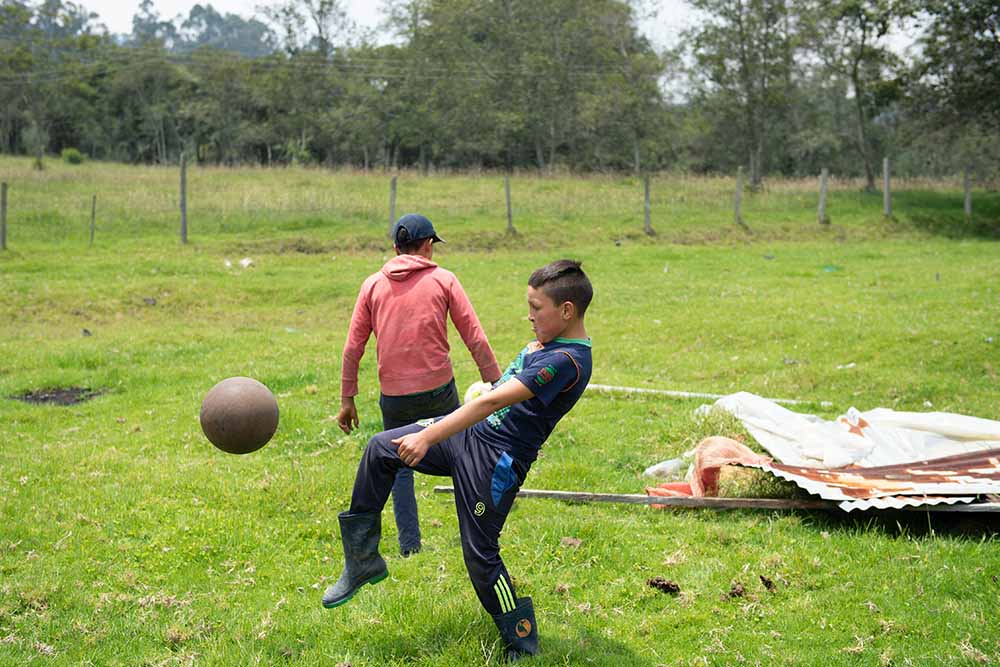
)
(487, 447)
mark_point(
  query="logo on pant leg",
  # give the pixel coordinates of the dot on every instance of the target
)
(523, 628)
(480, 509)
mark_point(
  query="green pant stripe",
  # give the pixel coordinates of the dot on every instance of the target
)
(500, 597)
(507, 597)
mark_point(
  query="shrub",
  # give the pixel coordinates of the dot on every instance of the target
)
(72, 156)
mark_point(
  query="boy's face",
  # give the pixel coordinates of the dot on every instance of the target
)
(548, 319)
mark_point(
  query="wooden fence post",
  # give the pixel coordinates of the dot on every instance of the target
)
(93, 218)
(738, 198)
(510, 211)
(648, 228)
(821, 216)
(966, 182)
(184, 210)
(886, 194)
(3, 215)
(392, 207)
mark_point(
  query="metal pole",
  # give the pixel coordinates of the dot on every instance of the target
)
(692, 394)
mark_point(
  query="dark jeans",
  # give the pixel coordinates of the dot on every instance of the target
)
(401, 411)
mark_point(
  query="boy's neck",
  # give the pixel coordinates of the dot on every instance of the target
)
(574, 329)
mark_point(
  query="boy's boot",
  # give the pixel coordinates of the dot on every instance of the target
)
(519, 630)
(360, 534)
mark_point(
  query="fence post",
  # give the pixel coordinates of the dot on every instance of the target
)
(184, 210)
(821, 212)
(738, 198)
(3, 215)
(392, 207)
(93, 217)
(648, 209)
(968, 194)
(510, 212)
(886, 194)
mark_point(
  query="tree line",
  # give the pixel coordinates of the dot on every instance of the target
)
(777, 86)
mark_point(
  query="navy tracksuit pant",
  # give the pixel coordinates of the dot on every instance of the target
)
(399, 411)
(486, 480)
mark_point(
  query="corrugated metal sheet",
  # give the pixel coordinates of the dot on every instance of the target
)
(903, 502)
(949, 479)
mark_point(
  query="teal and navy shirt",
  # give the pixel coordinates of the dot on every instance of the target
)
(556, 373)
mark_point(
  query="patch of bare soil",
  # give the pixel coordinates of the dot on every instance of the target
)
(57, 396)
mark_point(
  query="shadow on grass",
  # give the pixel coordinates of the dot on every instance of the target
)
(585, 647)
(942, 213)
(896, 523)
(436, 643)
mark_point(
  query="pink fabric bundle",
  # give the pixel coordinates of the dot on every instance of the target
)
(709, 457)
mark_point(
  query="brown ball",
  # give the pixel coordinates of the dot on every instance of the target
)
(239, 415)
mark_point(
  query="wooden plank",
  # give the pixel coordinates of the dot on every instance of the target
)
(720, 503)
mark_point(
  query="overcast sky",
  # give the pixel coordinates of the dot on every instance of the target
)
(672, 16)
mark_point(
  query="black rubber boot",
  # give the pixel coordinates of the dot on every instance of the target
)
(519, 630)
(360, 534)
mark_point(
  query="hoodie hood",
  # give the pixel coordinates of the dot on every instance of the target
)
(401, 267)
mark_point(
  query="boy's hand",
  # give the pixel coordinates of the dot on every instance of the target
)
(347, 418)
(412, 447)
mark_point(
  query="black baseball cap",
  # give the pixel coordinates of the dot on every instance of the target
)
(414, 227)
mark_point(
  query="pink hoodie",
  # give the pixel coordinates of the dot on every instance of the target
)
(407, 305)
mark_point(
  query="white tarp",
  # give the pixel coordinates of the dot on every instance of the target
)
(873, 438)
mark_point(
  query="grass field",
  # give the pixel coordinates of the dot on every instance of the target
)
(126, 539)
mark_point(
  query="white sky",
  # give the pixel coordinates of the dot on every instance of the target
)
(672, 15)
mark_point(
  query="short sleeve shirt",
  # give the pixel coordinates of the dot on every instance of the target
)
(556, 373)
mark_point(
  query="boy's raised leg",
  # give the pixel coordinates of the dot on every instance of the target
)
(361, 527)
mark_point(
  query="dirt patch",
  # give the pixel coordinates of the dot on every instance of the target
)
(58, 396)
(737, 590)
(663, 585)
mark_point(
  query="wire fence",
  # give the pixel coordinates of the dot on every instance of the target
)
(102, 203)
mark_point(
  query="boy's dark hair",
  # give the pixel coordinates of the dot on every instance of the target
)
(564, 280)
(406, 245)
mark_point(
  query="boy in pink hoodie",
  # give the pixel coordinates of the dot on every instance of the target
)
(406, 305)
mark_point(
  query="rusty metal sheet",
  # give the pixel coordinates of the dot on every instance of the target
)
(900, 485)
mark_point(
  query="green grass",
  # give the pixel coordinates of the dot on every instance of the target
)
(126, 539)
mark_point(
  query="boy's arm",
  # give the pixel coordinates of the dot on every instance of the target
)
(354, 348)
(463, 315)
(414, 446)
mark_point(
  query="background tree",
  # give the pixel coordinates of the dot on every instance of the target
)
(852, 38)
(741, 53)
